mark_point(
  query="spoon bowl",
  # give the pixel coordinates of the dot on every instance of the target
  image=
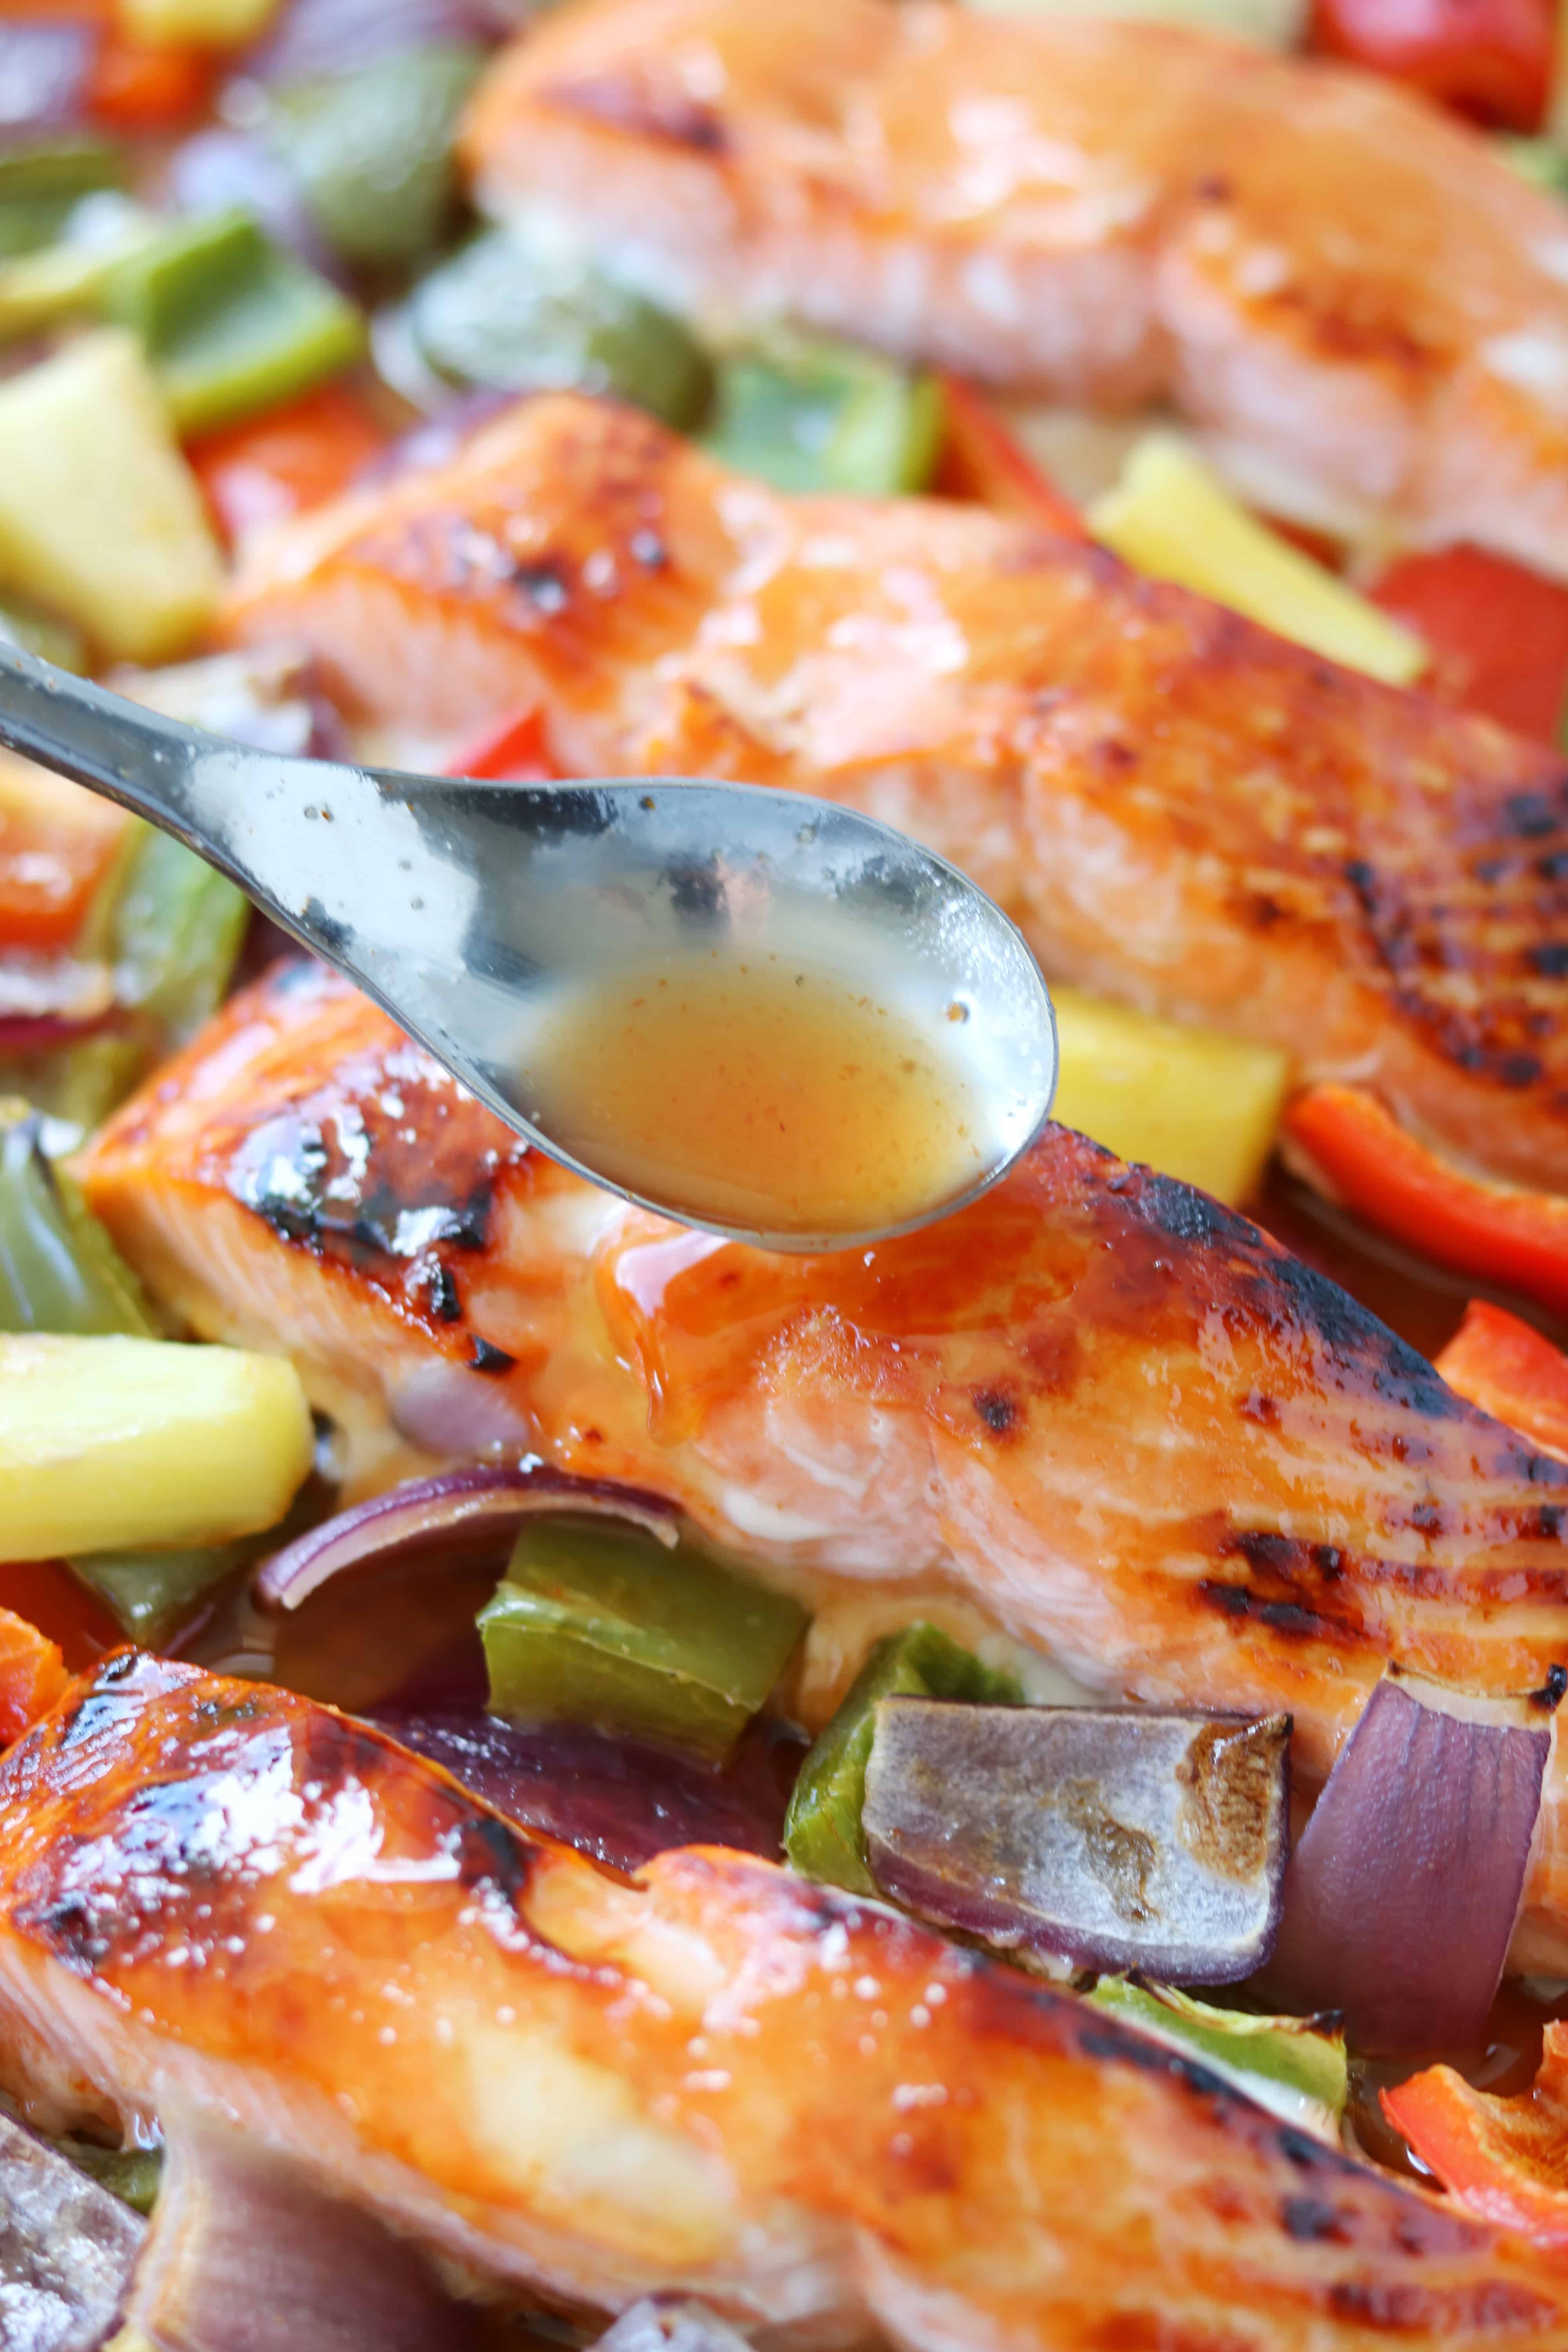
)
(485, 916)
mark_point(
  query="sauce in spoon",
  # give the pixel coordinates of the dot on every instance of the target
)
(756, 1090)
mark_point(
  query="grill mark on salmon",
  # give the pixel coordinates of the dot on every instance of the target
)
(816, 2113)
(1294, 854)
(1344, 286)
(836, 1417)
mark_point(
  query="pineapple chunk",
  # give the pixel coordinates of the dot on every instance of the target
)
(1188, 1101)
(111, 1442)
(212, 24)
(100, 518)
(1168, 516)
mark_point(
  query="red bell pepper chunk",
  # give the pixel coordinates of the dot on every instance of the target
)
(1499, 1233)
(298, 457)
(57, 847)
(1504, 2159)
(32, 1675)
(144, 87)
(512, 751)
(1511, 1371)
(1497, 634)
(1489, 58)
(982, 460)
(60, 1608)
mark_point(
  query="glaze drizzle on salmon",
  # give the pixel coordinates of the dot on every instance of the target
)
(1182, 811)
(1095, 1411)
(1351, 289)
(816, 2113)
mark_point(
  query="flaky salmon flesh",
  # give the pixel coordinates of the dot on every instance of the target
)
(1181, 810)
(819, 2115)
(1352, 291)
(1096, 1413)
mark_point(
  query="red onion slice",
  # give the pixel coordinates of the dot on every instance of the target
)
(67, 2248)
(218, 170)
(1402, 1894)
(467, 1509)
(316, 37)
(249, 2250)
(620, 1801)
(1117, 1838)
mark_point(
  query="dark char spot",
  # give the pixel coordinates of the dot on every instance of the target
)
(488, 1358)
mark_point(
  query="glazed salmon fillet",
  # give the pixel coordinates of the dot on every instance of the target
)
(1095, 1413)
(1352, 291)
(817, 2115)
(1181, 810)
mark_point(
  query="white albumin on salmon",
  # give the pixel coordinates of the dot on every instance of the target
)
(1346, 287)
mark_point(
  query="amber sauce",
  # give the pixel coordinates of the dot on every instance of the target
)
(761, 1093)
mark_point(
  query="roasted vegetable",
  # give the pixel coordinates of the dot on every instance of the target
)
(806, 414)
(1295, 2066)
(604, 1625)
(372, 151)
(99, 517)
(1114, 1838)
(823, 1833)
(1507, 1368)
(120, 1442)
(1188, 1101)
(59, 1269)
(518, 314)
(1169, 515)
(68, 2248)
(232, 324)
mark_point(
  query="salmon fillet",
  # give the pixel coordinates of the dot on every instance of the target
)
(1096, 1411)
(1181, 810)
(816, 2113)
(1348, 287)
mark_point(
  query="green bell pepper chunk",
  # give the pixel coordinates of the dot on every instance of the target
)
(372, 151)
(1288, 2064)
(808, 415)
(152, 1594)
(823, 1836)
(135, 2174)
(178, 929)
(41, 183)
(37, 632)
(232, 324)
(59, 1269)
(518, 315)
(1540, 161)
(601, 1624)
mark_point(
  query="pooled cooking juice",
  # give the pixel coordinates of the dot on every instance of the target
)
(756, 1091)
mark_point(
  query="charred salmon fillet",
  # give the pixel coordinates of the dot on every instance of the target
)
(819, 2115)
(1352, 290)
(1096, 1411)
(1181, 810)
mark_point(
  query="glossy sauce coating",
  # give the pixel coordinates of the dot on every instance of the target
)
(1095, 1410)
(810, 2110)
(1182, 812)
(747, 1090)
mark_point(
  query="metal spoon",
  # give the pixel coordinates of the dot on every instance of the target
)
(464, 909)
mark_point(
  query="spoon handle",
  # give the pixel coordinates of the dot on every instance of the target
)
(99, 738)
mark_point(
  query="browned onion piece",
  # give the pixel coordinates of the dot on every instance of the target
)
(249, 2253)
(471, 1509)
(67, 2248)
(1119, 1837)
(1401, 1898)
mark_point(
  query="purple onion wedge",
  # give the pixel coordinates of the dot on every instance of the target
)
(67, 2248)
(1401, 1898)
(1116, 1838)
(46, 67)
(460, 1511)
(247, 2250)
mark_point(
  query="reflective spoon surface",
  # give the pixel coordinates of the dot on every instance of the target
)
(466, 908)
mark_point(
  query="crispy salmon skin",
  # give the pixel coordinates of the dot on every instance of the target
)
(816, 2113)
(1181, 810)
(1358, 296)
(1096, 1411)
